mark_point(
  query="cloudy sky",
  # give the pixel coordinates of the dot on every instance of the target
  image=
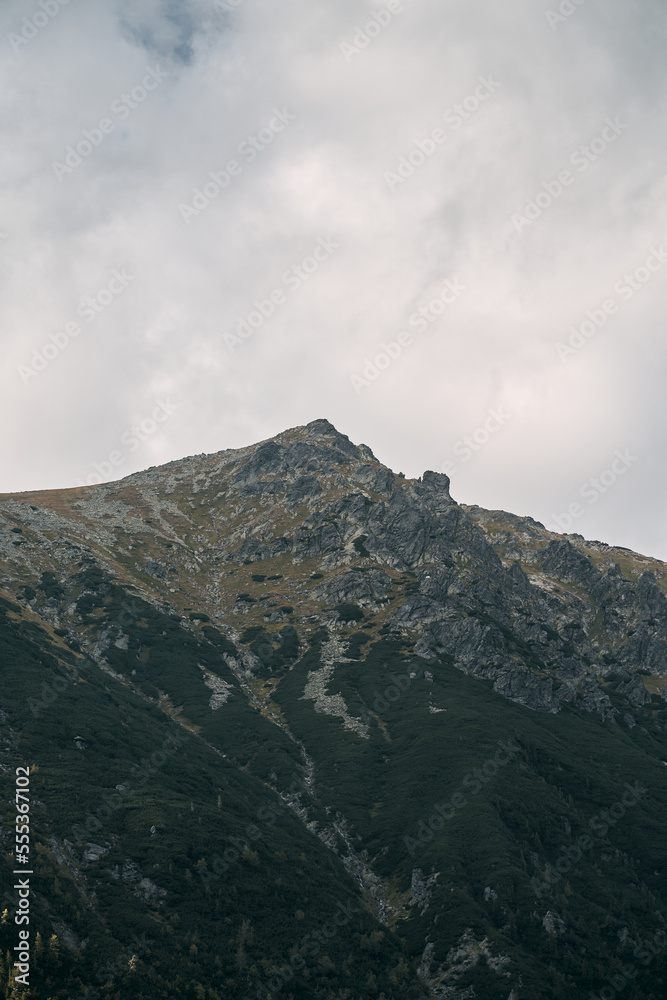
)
(428, 221)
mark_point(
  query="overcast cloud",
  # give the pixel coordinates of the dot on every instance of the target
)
(172, 92)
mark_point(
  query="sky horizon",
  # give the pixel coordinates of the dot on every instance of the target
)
(439, 228)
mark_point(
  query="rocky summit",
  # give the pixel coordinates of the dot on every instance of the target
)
(298, 726)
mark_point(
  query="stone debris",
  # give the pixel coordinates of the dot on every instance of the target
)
(94, 852)
(459, 960)
(221, 689)
(553, 924)
(332, 653)
(421, 890)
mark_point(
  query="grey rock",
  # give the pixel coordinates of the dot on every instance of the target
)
(356, 586)
(553, 924)
(156, 570)
(263, 488)
(266, 460)
(94, 852)
(437, 481)
(527, 689)
(384, 481)
(303, 488)
(635, 691)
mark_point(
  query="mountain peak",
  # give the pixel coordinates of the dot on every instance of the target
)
(323, 430)
(322, 426)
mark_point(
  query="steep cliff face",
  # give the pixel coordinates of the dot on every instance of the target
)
(435, 699)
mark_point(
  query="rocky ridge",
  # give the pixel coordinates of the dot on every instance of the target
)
(548, 619)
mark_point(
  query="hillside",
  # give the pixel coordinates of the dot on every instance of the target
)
(300, 727)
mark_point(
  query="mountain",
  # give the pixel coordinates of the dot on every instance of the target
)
(300, 727)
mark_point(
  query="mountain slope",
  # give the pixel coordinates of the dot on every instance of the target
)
(366, 694)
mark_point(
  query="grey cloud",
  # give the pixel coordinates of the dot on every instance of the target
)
(166, 28)
(324, 175)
